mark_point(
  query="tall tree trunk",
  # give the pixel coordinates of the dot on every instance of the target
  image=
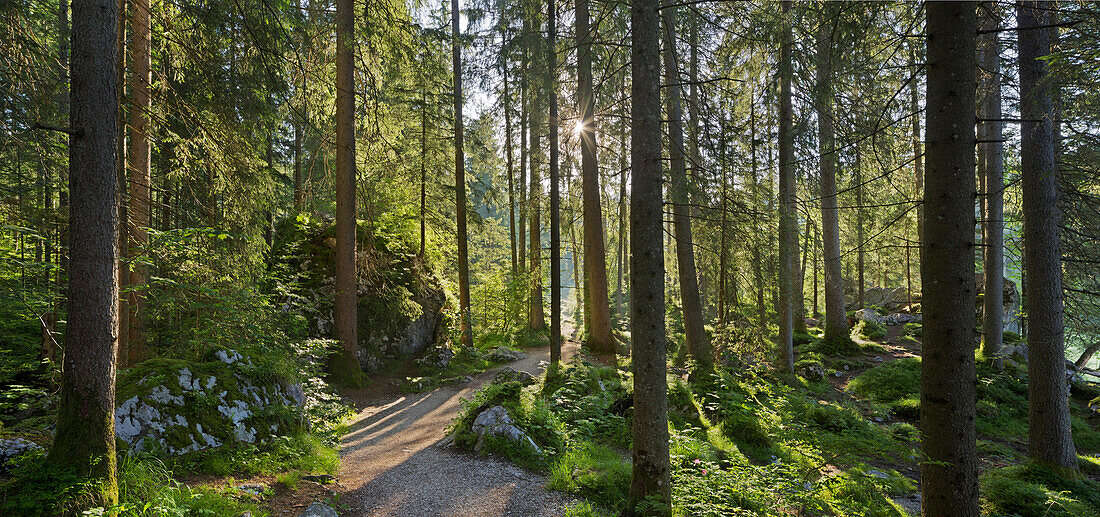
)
(723, 231)
(536, 319)
(595, 261)
(345, 364)
(861, 255)
(140, 208)
(694, 333)
(836, 325)
(524, 118)
(555, 186)
(949, 477)
(85, 437)
(122, 350)
(757, 259)
(788, 231)
(623, 236)
(465, 325)
(508, 162)
(991, 165)
(299, 193)
(651, 478)
(1049, 438)
(424, 176)
(918, 154)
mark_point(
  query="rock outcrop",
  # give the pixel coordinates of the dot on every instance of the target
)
(177, 407)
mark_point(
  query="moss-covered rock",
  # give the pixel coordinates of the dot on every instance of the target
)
(402, 305)
(176, 407)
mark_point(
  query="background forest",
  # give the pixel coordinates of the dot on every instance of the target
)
(317, 202)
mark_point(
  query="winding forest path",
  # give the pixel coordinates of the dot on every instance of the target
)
(393, 464)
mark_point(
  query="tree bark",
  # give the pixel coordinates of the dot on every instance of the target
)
(788, 232)
(595, 261)
(836, 324)
(991, 167)
(1050, 441)
(949, 477)
(508, 153)
(694, 333)
(85, 438)
(139, 210)
(757, 259)
(465, 325)
(651, 479)
(345, 364)
(555, 186)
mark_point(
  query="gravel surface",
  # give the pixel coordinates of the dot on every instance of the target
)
(393, 464)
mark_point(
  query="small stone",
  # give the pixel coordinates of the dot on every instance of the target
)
(507, 374)
(878, 359)
(319, 510)
(502, 354)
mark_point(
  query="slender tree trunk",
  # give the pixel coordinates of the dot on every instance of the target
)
(140, 208)
(1050, 441)
(85, 437)
(122, 350)
(722, 251)
(651, 479)
(595, 261)
(555, 185)
(918, 154)
(991, 162)
(694, 332)
(861, 256)
(524, 118)
(508, 155)
(424, 176)
(788, 232)
(465, 325)
(949, 476)
(345, 364)
(757, 259)
(299, 193)
(623, 235)
(836, 325)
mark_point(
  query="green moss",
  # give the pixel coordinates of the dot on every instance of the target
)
(844, 346)
(1029, 490)
(889, 382)
(871, 330)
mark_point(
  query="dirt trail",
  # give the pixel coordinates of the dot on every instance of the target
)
(392, 463)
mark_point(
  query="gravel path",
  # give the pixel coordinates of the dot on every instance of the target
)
(393, 464)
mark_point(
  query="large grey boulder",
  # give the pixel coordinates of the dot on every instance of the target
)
(496, 421)
(201, 406)
(869, 315)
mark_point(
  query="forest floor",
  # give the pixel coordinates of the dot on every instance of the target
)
(394, 460)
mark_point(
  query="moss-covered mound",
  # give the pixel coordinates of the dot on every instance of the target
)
(176, 407)
(403, 307)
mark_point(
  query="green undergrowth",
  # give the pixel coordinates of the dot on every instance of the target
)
(1032, 491)
(468, 362)
(1001, 406)
(146, 486)
(529, 412)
